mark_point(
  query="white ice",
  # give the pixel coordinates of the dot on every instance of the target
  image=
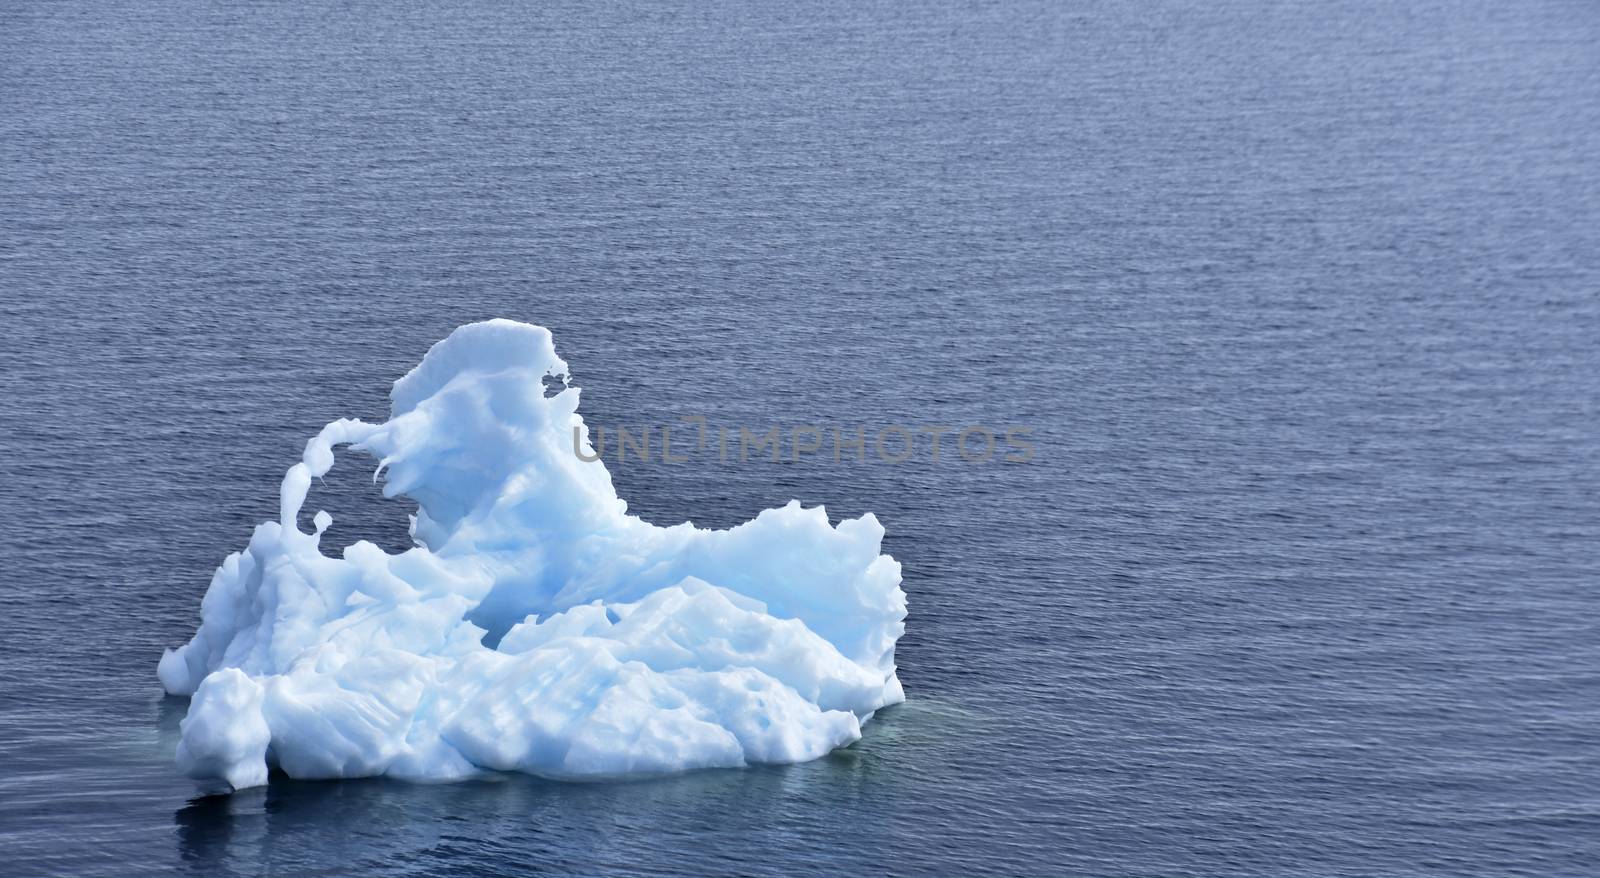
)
(628, 648)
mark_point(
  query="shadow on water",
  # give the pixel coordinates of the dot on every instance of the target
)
(205, 827)
(170, 711)
(382, 826)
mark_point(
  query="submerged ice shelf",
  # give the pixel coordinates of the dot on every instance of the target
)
(627, 648)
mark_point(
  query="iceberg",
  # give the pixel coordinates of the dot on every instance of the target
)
(535, 626)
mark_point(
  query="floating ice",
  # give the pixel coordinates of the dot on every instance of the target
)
(627, 648)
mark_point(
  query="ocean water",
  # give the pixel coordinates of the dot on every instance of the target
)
(1301, 301)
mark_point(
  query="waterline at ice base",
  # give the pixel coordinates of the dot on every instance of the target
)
(535, 626)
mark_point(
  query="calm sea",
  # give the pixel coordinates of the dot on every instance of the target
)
(1302, 302)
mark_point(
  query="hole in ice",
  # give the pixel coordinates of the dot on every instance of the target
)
(554, 384)
(359, 509)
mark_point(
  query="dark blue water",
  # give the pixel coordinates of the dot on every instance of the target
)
(1302, 301)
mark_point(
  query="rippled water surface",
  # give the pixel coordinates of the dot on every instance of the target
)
(1301, 300)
